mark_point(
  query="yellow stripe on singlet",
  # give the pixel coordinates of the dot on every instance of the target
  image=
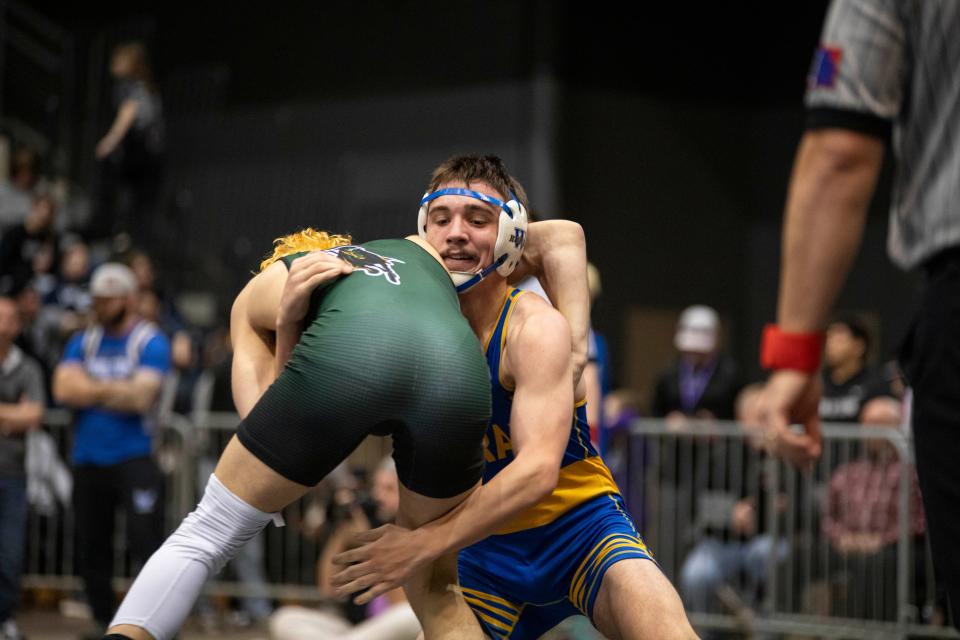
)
(576, 428)
(497, 623)
(503, 339)
(477, 602)
(487, 596)
(579, 589)
(578, 482)
(483, 600)
(578, 575)
(617, 550)
(493, 330)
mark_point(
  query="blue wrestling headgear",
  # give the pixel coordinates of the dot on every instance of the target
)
(511, 236)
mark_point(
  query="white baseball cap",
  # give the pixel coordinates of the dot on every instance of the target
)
(112, 280)
(697, 330)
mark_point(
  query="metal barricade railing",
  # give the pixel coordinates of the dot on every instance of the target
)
(51, 553)
(186, 451)
(682, 482)
(757, 546)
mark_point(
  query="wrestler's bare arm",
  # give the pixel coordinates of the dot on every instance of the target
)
(266, 321)
(252, 332)
(556, 254)
(306, 274)
(537, 364)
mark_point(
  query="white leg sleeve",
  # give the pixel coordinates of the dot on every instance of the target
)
(301, 623)
(396, 623)
(164, 592)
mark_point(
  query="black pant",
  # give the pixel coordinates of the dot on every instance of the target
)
(128, 194)
(931, 362)
(136, 486)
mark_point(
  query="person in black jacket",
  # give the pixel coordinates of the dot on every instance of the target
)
(702, 382)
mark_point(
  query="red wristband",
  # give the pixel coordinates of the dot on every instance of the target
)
(797, 351)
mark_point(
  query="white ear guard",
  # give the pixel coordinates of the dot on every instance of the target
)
(511, 235)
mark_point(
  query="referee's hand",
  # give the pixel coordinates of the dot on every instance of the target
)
(792, 397)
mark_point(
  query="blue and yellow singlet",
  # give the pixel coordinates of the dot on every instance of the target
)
(548, 562)
(583, 475)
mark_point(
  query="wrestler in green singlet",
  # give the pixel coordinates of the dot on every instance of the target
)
(384, 351)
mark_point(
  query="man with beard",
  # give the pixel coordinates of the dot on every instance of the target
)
(111, 375)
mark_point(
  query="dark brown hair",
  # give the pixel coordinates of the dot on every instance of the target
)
(468, 168)
(857, 328)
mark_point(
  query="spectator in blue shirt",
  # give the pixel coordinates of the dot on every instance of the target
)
(111, 375)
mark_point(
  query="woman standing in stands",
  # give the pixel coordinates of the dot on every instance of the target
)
(131, 151)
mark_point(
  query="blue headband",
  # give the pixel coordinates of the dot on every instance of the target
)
(456, 191)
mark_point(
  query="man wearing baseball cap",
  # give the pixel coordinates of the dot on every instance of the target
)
(701, 382)
(111, 375)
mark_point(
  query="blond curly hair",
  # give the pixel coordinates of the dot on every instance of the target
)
(307, 240)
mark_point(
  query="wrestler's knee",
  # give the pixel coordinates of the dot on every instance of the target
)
(215, 531)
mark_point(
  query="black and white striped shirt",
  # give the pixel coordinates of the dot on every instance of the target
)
(892, 68)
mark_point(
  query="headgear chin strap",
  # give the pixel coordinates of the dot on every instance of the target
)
(511, 236)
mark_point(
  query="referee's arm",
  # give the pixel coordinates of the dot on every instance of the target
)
(834, 176)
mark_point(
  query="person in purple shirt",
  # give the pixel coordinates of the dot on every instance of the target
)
(701, 383)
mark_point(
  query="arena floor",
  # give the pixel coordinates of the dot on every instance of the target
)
(39, 624)
(52, 625)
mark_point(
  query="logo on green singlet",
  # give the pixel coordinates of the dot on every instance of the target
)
(372, 264)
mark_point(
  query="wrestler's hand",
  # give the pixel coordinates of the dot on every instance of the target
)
(384, 559)
(791, 397)
(306, 274)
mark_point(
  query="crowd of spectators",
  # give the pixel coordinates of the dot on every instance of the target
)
(853, 516)
(88, 325)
